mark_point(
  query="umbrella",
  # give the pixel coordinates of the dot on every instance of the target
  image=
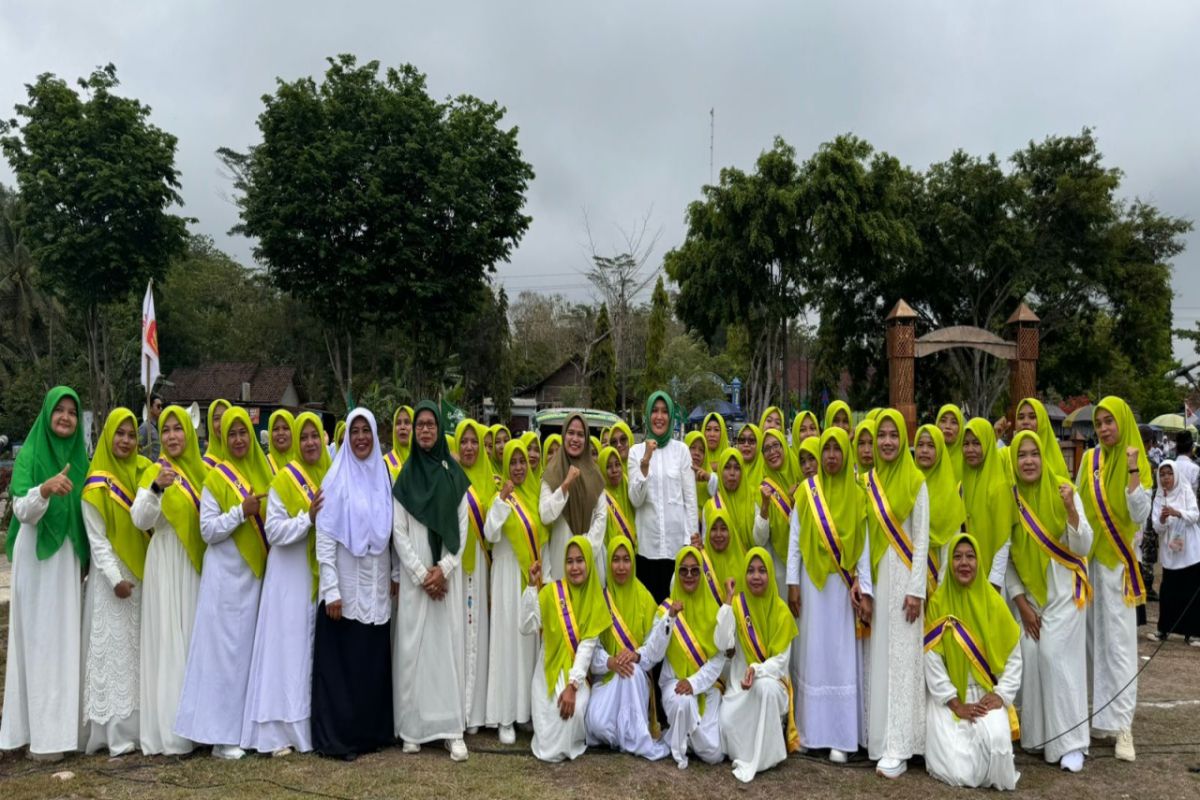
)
(1171, 423)
(1080, 416)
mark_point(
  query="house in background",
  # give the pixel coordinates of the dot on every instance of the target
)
(259, 388)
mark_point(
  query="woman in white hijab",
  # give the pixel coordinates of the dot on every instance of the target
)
(352, 669)
(1177, 521)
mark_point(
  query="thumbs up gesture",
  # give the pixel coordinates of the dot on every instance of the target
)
(59, 486)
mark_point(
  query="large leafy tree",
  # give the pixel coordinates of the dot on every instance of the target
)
(375, 203)
(654, 376)
(602, 368)
(96, 180)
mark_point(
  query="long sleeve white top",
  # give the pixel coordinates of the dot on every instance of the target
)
(531, 624)
(664, 500)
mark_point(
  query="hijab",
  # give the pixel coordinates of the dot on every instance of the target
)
(110, 475)
(832, 410)
(1114, 475)
(700, 614)
(588, 487)
(591, 616)
(954, 450)
(401, 452)
(689, 439)
(339, 434)
(981, 609)
(1040, 497)
(43, 456)
(753, 468)
(619, 495)
(711, 456)
(787, 476)
(514, 528)
(762, 421)
(727, 562)
(846, 503)
(866, 426)
(623, 428)
(662, 440)
(739, 502)
(899, 481)
(553, 440)
(495, 429)
(295, 499)
(947, 514)
(528, 438)
(631, 600)
(1051, 452)
(358, 512)
(483, 482)
(987, 495)
(796, 423)
(216, 440)
(180, 506)
(280, 458)
(772, 620)
(431, 486)
(254, 473)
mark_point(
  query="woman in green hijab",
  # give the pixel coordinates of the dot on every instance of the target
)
(571, 615)
(1114, 482)
(973, 672)
(47, 546)
(758, 728)
(282, 447)
(112, 607)
(723, 550)
(168, 504)
(987, 496)
(620, 713)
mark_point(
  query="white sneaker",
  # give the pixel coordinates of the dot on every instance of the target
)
(508, 734)
(1072, 761)
(837, 756)
(410, 748)
(282, 752)
(228, 752)
(458, 749)
(890, 768)
(743, 772)
(1124, 750)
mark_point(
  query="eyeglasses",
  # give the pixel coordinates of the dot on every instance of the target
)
(773, 448)
(426, 426)
(689, 572)
(747, 440)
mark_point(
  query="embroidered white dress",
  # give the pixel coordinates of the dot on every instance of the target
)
(511, 652)
(618, 713)
(687, 726)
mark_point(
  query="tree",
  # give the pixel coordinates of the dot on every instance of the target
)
(96, 179)
(546, 331)
(373, 202)
(484, 353)
(654, 376)
(602, 377)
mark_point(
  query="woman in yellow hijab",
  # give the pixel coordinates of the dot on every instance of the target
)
(736, 495)
(772, 418)
(1032, 416)
(951, 423)
(621, 521)
(775, 498)
(987, 495)
(282, 449)
(837, 414)
(804, 426)
(402, 426)
(947, 514)
(695, 445)
(749, 444)
(216, 442)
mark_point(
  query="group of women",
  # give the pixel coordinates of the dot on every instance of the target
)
(845, 587)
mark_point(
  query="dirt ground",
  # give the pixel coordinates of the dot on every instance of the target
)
(1166, 732)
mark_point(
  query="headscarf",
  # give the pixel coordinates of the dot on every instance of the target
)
(1115, 478)
(846, 503)
(1042, 498)
(762, 421)
(588, 487)
(873, 414)
(662, 440)
(553, 440)
(787, 476)
(180, 504)
(495, 429)
(296, 499)
(811, 446)
(254, 473)
(1052, 456)
(527, 438)
(832, 410)
(866, 426)
(796, 423)
(604, 432)
(339, 433)
(431, 486)
(987, 495)
(514, 527)
(899, 481)
(110, 488)
(947, 514)
(727, 562)
(689, 439)
(358, 512)
(215, 451)
(619, 495)
(740, 502)
(590, 614)
(954, 450)
(43, 456)
(700, 614)
(483, 482)
(774, 625)
(595, 444)
(753, 468)
(711, 456)
(624, 428)
(631, 600)
(401, 452)
(277, 459)
(981, 609)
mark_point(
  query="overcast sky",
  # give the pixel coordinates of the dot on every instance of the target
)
(613, 98)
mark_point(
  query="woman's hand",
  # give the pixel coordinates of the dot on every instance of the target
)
(572, 475)
(123, 589)
(506, 491)
(696, 542)
(1131, 458)
(318, 502)
(566, 702)
(1029, 618)
(674, 607)
(965, 711)
(651, 446)
(334, 610)
(166, 476)
(912, 608)
(1066, 492)
(730, 590)
(535, 574)
(435, 583)
(59, 486)
(700, 474)
(683, 687)
(990, 702)
(252, 505)
(748, 678)
(794, 600)
(622, 664)
(866, 608)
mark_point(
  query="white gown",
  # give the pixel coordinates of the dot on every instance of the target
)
(170, 587)
(42, 682)
(512, 653)
(112, 637)
(687, 726)
(895, 670)
(428, 673)
(828, 668)
(550, 507)
(554, 738)
(279, 691)
(618, 713)
(213, 701)
(1054, 667)
(475, 639)
(974, 754)
(752, 721)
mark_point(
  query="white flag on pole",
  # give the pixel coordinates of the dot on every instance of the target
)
(150, 370)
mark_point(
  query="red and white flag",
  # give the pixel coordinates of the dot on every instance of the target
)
(150, 370)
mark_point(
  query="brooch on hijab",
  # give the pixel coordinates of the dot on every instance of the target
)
(445, 465)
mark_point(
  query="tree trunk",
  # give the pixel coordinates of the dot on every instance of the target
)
(333, 347)
(97, 344)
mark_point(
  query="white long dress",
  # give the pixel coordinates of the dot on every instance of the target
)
(895, 674)
(512, 653)
(1054, 667)
(687, 726)
(1112, 633)
(974, 754)
(476, 638)
(112, 638)
(554, 738)
(170, 586)
(618, 713)
(279, 692)
(550, 506)
(752, 721)
(828, 665)
(42, 683)
(428, 673)
(213, 701)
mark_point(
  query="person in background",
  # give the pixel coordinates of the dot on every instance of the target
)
(1176, 518)
(1187, 472)
(148, 442)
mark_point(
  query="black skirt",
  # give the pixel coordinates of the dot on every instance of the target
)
(352, 686)
(1179, 586)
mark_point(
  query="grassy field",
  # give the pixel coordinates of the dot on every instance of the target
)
(1167, 733)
